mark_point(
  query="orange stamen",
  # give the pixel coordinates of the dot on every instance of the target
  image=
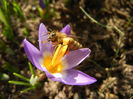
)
(54, 64)
(59, 53)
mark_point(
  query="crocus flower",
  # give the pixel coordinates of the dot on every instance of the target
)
(57, 65)
(42, 4)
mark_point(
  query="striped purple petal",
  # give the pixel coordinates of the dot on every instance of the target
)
(74, 77)
(32, 53)
(43, 35)
(75, 57)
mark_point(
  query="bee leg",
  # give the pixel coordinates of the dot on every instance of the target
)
(54, 45)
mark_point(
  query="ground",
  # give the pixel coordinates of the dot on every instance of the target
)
(112, 71)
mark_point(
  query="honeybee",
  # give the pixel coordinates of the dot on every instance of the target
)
(57, 38)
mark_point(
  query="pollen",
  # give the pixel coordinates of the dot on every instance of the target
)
(47, 61)
(54, 64)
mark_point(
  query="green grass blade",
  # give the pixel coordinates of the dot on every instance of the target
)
(26, 33)
(40, 12)
(93, 20)
(8, 32)
(31, 69)
(54, 12)
(3, 18)
(22, 77)
(109, 27)
(129, 22)
(7, 29)
(121, 39)
(27, 89)
(5, 5)
(19, 83)
(18, 10)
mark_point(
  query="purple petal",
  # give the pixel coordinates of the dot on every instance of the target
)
(75, 57)
(42, 4)
(32, 53)
(75, 77)
(67, 30)
(43, 35)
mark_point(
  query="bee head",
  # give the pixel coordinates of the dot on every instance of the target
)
(52, 36)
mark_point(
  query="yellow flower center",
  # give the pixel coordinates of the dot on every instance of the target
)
(54, 63)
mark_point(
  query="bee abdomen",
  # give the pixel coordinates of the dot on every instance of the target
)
(73, 45)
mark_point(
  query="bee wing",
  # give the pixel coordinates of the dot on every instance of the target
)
(72, 36)
(43, 41)
(75, 36)
(44, 36)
